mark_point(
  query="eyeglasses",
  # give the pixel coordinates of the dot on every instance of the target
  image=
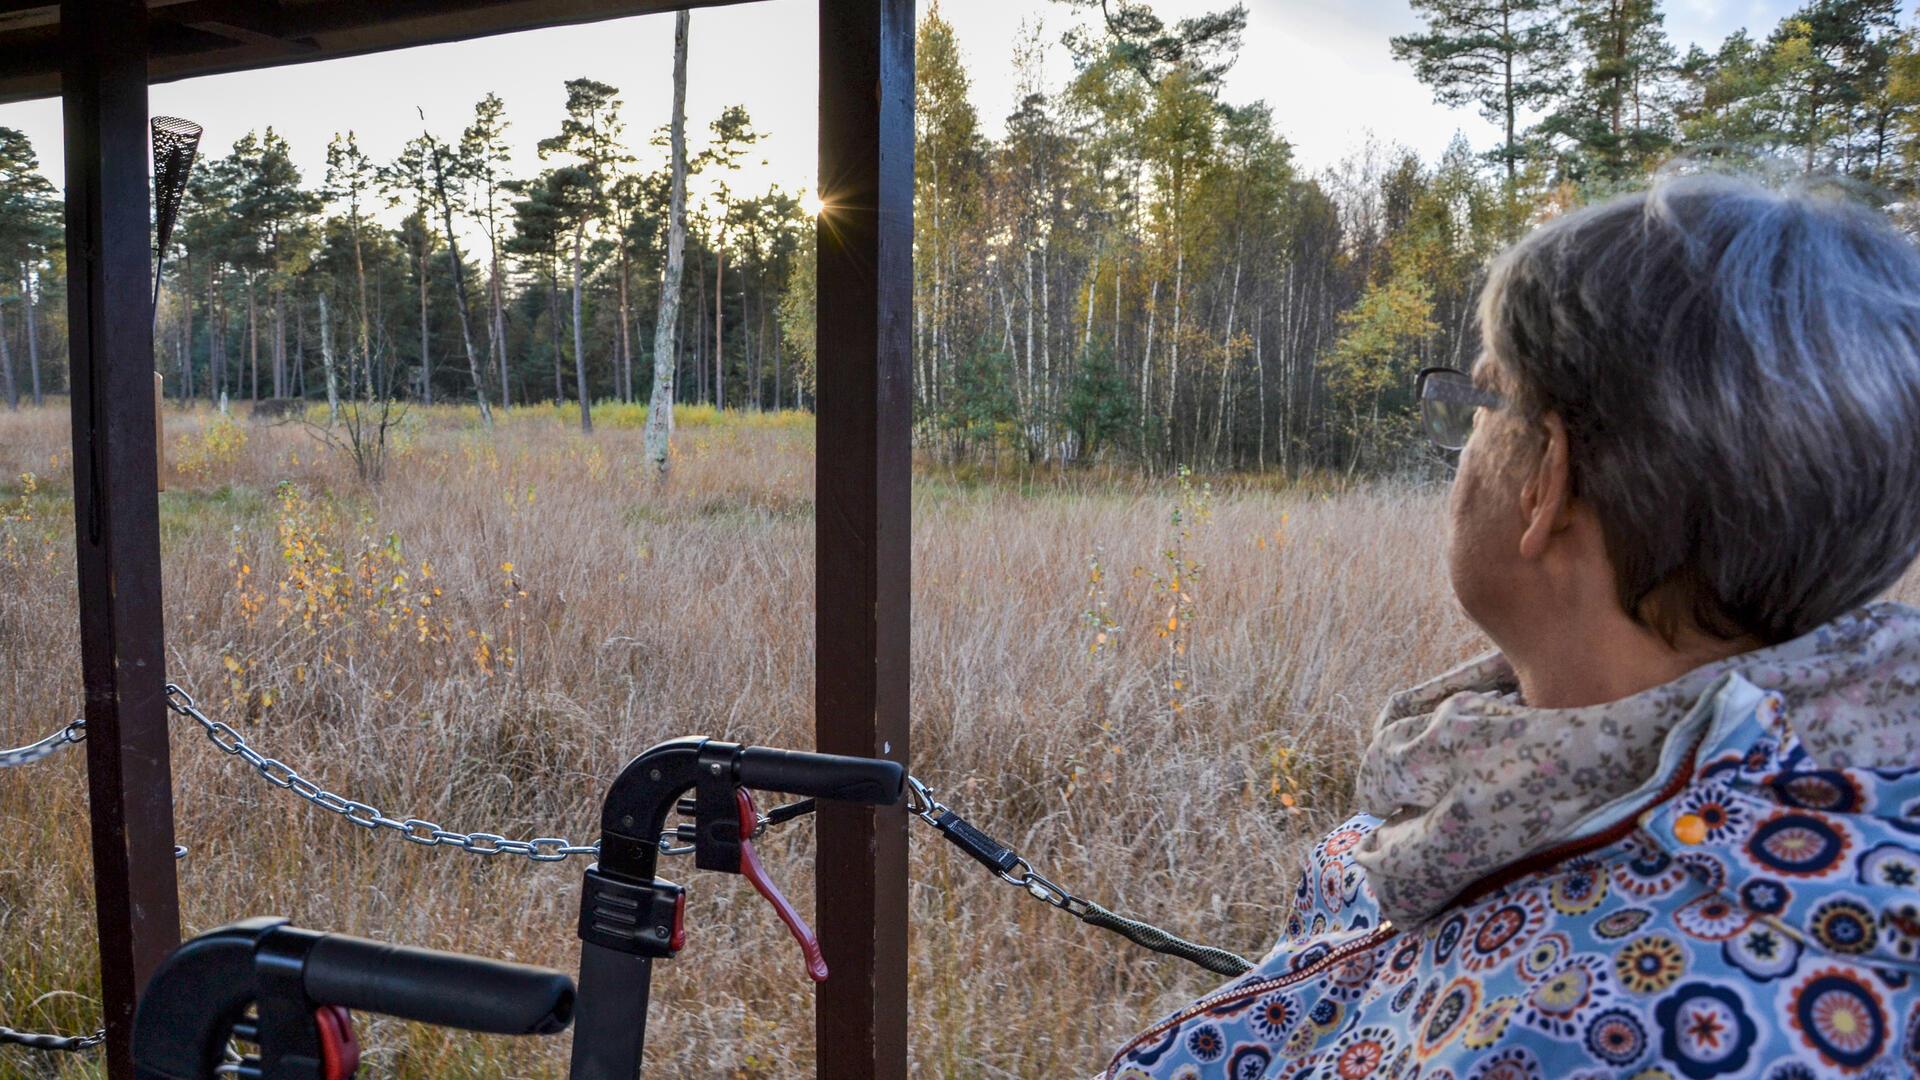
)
(1448, 403)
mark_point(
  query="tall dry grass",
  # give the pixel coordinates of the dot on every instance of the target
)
(484, 640)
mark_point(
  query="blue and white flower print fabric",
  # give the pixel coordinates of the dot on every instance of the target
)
(1758, 918)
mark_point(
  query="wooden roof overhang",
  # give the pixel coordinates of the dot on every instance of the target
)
(189, 38)
(100, 56)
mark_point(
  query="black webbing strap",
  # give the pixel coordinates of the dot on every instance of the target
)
(985, 850)
(1011, 868)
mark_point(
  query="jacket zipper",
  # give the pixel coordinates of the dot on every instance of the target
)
(1382, 933)
(1612, 834)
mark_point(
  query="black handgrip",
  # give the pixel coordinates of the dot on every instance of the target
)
(869, 781)
(441, 988)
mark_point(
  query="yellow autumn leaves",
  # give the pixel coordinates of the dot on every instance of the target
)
(346, 596)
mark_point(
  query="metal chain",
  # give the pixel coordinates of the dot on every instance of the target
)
(367, 816)
(35, 1041)
(74, 732)
(52, 744)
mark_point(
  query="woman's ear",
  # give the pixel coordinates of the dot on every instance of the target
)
(1546, 500)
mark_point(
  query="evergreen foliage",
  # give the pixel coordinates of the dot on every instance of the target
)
(1137, 268)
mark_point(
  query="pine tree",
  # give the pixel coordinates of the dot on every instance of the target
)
(29, 231)
(351, 180)
(1505, 56)
(484, 149)
(733, 136)
(450, 171)
(590, 135)
(1614, 120)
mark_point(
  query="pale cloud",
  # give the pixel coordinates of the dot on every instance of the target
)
(1323, 65)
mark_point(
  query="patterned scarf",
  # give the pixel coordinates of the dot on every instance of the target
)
(1470, 779)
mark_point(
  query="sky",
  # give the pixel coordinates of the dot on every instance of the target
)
(1324, 66)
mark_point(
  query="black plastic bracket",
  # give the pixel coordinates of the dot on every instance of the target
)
(716, 813)
(628, 917)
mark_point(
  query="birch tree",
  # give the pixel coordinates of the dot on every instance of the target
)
(659, 433)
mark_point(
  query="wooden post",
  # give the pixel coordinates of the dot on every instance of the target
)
(863, 499)
(116, 509)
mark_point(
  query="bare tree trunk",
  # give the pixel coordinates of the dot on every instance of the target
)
(1146, 372)
(660, 406)
(360, 276)
(1173, 351)
(1027, 408)
(1260, 365)
(460, 295)
(326, 361)
(279, 343)
(253, 341)
(699, 333)
(299, 350)
(1046, 342)
(1226, 366)
(186, 338)
(720, 321)
(216, 338)
(626, 331)
(759, 354)
(579, 342)
(7, 385)
(1093, 288)
(498, 323)
(33, 337)
(553, 327)
(426, 353)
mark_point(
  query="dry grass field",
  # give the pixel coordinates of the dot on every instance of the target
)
(485, 638)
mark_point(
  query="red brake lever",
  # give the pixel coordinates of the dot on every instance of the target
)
(339, 1048)
(750, 868)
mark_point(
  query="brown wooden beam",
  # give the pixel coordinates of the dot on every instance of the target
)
(30, 55)
(863, 471)
(116, 506)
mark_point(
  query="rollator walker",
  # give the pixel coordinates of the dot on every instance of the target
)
(289, 992)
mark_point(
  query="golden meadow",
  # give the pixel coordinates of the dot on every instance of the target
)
(1156, 689)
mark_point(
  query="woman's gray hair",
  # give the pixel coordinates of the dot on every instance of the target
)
(1739, 372)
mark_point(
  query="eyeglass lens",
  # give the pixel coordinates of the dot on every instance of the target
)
(1447, 406)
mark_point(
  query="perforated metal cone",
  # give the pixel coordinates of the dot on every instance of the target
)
(175, 143)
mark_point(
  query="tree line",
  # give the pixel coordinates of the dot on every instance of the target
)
(1137, 268)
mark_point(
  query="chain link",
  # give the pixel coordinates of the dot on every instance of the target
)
(73, 732)
(366, 815)
(51, 744)
(34, 1040)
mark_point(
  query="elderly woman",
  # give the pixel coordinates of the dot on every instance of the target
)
(1671, 829)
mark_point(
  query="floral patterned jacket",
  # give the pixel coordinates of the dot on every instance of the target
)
(1757, 917)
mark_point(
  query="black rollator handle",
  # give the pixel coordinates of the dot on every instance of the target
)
(630, 917)
(867, 781)
(440, 988)
(287, 991)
